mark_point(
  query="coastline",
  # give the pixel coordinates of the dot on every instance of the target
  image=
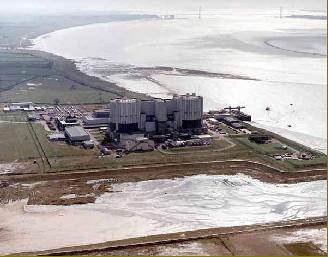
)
(68, 69)
(74, 71)
(230, 198)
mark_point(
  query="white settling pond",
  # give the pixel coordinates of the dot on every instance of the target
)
(156, 207)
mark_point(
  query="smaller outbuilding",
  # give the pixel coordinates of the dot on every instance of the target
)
(93, 122)
(32, 117)
(237, 125)
(88, 144)
(76, 135)
(259, 139)
(57, 137)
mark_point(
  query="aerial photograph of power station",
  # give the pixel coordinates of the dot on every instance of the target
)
(163, 127)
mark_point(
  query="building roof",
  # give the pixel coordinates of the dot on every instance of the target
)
(187, 96)
(63, 122)
(56, 136)
(230, 119)
(101, 110)
(204, 136)
(22, 103)
(76, 131)
(88, 143)
(140, 139)
(124, 100)
(237, 125)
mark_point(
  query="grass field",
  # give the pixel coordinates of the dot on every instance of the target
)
(17, 68)
(269, 148)
(215, 145)
(45, 90)
(26, 77)
(264, 150)
(12, 116)
(16, 143)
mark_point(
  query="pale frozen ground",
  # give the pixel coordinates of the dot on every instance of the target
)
(156, 207)
(6, 168)
(34, 84)
(31, 185)
(69, 196)
(314, 45)
(184, 249)
(231, 41)
(316, 236)
(96, 181)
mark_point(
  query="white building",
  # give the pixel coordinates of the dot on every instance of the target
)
(156, 116)
(23, 106)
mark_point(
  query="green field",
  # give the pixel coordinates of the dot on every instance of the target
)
(26, 77)
(46, 89)
(266, 150)
(16, 143)
(18, 68)
(19, 143)
(269, 148)
(214, 146)
(12, 116)
(24, 142)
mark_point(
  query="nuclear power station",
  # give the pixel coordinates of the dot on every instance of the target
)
(159, 116)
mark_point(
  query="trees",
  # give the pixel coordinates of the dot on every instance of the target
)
(56, 101)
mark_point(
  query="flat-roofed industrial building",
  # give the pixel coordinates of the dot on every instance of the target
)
(76, 135)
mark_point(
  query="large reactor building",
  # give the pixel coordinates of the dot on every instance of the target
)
(157, 116)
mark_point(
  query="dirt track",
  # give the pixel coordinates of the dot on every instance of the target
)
(55, 186)
(257, 170)
(221, 234)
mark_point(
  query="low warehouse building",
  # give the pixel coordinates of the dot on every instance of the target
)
(88, 144)
(56, 137)
(233, 122)
(93, 122)
(76, 135)
(259, 139)
(104, 113)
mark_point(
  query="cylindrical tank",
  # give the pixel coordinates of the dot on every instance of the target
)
(125, 115)
(190, 107)
(124, 111)
(148, 107)
(160, 110)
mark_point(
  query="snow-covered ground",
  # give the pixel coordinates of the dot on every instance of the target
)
(317, 236)
(287, 57)
(156, 207)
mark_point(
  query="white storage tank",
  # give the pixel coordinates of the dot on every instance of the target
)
(142, 121)
(148, 107)
(125, 114)
(160, 110)
(190, 109)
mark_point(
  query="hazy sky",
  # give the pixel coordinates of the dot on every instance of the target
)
(131, 5)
